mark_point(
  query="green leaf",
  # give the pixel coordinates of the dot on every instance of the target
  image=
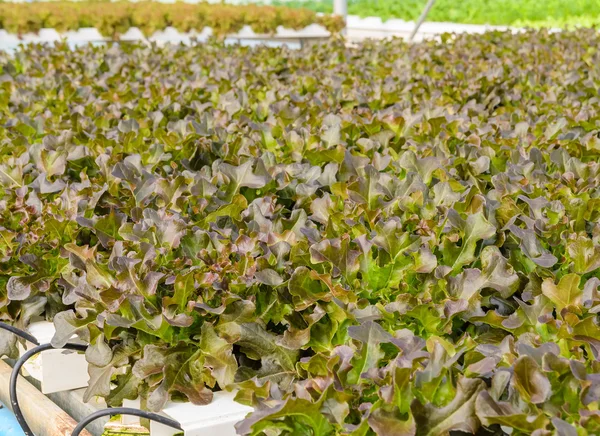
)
(269, 277)
(473, 230)
(386, 423)
(371, 335)
(491, 412)
(258, 344)
(189, 378)
(585, 255)
(566, 293)
(498, 273)
(20, 288)
(127, 388)
(99, 383)
(530, 382)
(457, 415)
(219, 356)
(366, 189)
(8, 344)
(337, 252)
(177, 369)
(99, 353)
(67, 324)
(298, 414)
(245, 176)
(305, 290)
(390, 237)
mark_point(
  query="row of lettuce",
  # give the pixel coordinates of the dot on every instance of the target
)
(380, 239)
(113, 19)
(518, 13)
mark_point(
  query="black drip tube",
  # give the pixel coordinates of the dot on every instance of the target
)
(14, 376)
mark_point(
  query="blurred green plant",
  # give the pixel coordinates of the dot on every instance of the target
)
(151, 16)
(530, 13)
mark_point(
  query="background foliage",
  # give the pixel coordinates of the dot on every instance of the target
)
(112, 19)
(530, 13)
(383, 239)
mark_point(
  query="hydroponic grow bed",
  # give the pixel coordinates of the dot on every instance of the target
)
(383, 238)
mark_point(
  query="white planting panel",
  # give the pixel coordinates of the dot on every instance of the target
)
(57, 370)
(215, 419)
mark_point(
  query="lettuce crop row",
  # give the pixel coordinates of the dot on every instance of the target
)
(518, 13)
(384, 239)
(116, 18)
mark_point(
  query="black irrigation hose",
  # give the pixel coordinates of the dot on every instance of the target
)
(125, 411)
(21, 333)
(12, 387)
(14, 376)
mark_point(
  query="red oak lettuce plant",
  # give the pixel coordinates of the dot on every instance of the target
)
(382, 239)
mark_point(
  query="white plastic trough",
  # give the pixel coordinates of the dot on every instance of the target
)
(171, 35)
(215, 419)
(64, 370)
(44, 35)
(358, 28)
(133, 34)
(8, 38)
(56, 370)
(83, 36)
